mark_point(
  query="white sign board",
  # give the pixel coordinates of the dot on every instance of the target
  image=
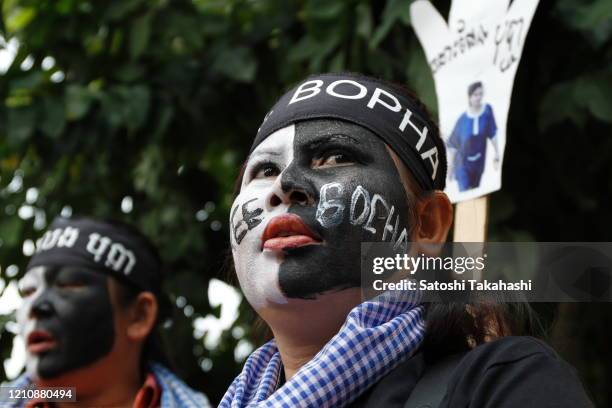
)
(473, 58)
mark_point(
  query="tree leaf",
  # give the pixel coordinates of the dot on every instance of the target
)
(337, 62)
(20, 124)
(559, 104)
(364, 21)
(147, 170)
(139, 35)
(237, 63)
(54, 119)
(420, 79)
(394, 10)
(310, 48)
(137, 99)
(17, 17)
(324, 9)
(78, 101)
(10, 230)
(120, 9)
(596, 92)
(592, 18)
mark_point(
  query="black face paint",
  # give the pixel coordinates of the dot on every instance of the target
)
(364, 200)
(249, 220)
(72, 304)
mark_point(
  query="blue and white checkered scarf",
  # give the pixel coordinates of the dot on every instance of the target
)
(174, 392)
(376, 336)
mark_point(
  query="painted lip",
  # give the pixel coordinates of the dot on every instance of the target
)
(40, 341)
(287, 231)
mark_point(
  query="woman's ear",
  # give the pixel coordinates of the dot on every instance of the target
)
(433, 213)
(434, 218)
(142, 316)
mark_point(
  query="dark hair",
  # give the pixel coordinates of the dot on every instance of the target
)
(458, 326)
(473, 87)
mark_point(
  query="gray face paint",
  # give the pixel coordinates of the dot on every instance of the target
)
(66, 319)
(342, 184)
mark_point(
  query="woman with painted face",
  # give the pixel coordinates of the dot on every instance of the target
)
(343, 159)
(91, 296)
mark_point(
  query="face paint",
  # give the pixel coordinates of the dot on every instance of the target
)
(257, 270)
(66, 319)
(340, 186)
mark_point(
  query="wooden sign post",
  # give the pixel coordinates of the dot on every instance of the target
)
(471, 219)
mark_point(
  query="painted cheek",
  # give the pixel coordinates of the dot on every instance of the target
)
(246, 215)
(84, 328)
(249, 210)
(27, 324)
(257, 270)
(35, 279)
(23, 321)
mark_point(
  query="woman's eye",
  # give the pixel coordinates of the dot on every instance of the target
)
(70, 285)
(265, 171)
(333, 159)
(27, 291)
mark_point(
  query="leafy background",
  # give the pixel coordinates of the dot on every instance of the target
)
(143, 110)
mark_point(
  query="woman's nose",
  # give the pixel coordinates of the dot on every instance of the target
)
(42, 308)
(289, 196)
(290, 189)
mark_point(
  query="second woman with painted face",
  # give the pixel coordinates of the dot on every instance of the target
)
(341, 160)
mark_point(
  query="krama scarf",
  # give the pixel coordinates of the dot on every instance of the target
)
(377, 335)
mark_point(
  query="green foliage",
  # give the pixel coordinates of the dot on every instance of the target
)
(158, 100)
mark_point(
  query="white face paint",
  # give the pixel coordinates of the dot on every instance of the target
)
(258, 269)
(34, 284)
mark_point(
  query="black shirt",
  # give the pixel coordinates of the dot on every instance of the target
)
(506, 373)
